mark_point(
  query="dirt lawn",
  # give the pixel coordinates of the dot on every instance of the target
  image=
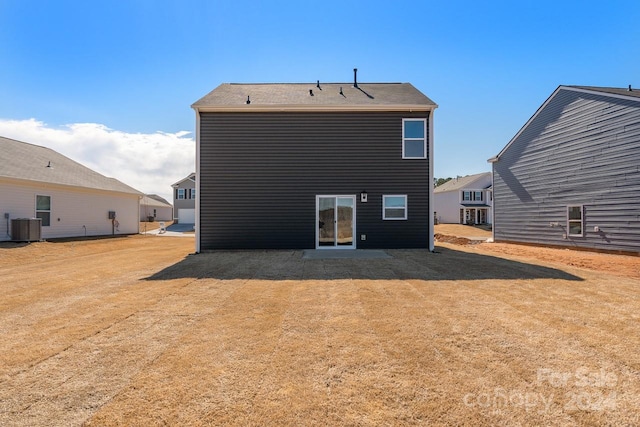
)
(136, 331)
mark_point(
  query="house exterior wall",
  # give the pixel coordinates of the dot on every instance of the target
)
(188, 202)
(260, 173)
(71, 209)
(163, 213)
(581, 149)
(447, 207)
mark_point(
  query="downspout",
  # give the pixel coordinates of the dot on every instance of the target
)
(431, 207)
(197, 180)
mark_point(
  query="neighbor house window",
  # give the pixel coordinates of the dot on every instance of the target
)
(394, 207)
(468, 196)
(43, 209)
(192, 194)
(414, 138)
(575, 221)
(180, 193)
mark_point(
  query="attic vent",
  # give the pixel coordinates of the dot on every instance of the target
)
(248, 100)
(311, 92)
(629, 88)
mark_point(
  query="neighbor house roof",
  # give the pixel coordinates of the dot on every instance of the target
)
(460, 183)
(629, 91)
(23, 161)
(621, 93)
(155, 200)
(314, 96)
(191, 176)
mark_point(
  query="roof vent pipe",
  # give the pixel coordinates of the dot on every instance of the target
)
(355, 77)
(311, 92)
(629, 88)
(248, 100)
(318, 85)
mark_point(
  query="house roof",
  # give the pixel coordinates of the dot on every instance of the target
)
(307, 96)
(621, 93)
(23, 161)
(154, 200)
(610, 90)
(191, 176)
(461, 182)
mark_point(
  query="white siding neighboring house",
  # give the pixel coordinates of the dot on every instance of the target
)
(184, 200)
(464, 200)
(154, 206)
(71, 199)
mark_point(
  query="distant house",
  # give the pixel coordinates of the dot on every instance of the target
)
(156, 208)
(464, 200)
(70, 199)
(184, 200)
(571, 175)
(315, 165)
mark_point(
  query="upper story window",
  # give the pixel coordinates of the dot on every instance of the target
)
(43, 209)
(192, 193)
(575, 223)
(414, 138)
(472, 196)
(394, 207)
(180, 193)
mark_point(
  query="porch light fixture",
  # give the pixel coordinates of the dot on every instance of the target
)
(363, 196)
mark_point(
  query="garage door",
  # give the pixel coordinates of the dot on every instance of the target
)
(187, 216)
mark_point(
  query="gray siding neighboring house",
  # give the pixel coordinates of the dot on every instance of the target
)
(290, 165)
(184, 200)
(464, 200)
(571, 175)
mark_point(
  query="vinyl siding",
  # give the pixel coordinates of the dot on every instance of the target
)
(581, 149)
(260, 174)
(74, 207)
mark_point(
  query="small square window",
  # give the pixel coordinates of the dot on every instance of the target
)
(394, 207)
(181, 194)
(414, 138)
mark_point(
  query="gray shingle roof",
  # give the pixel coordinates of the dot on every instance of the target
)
(460, 183)
(20, 160)
(611, 90)
(154, 200)
(264, 95)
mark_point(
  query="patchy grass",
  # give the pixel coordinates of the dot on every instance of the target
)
(135, 331)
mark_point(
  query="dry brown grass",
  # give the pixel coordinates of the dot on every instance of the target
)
(134, 331)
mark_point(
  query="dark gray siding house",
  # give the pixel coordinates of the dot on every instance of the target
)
(303, 166)
(571, 175)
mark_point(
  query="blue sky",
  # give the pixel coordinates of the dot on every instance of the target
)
(131, 69)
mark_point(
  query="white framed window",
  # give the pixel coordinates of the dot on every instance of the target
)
(180, 193)
(192, 193)
(414, 138)
(394, 207)
(43, 209)
(575, 221)
(472, 196)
